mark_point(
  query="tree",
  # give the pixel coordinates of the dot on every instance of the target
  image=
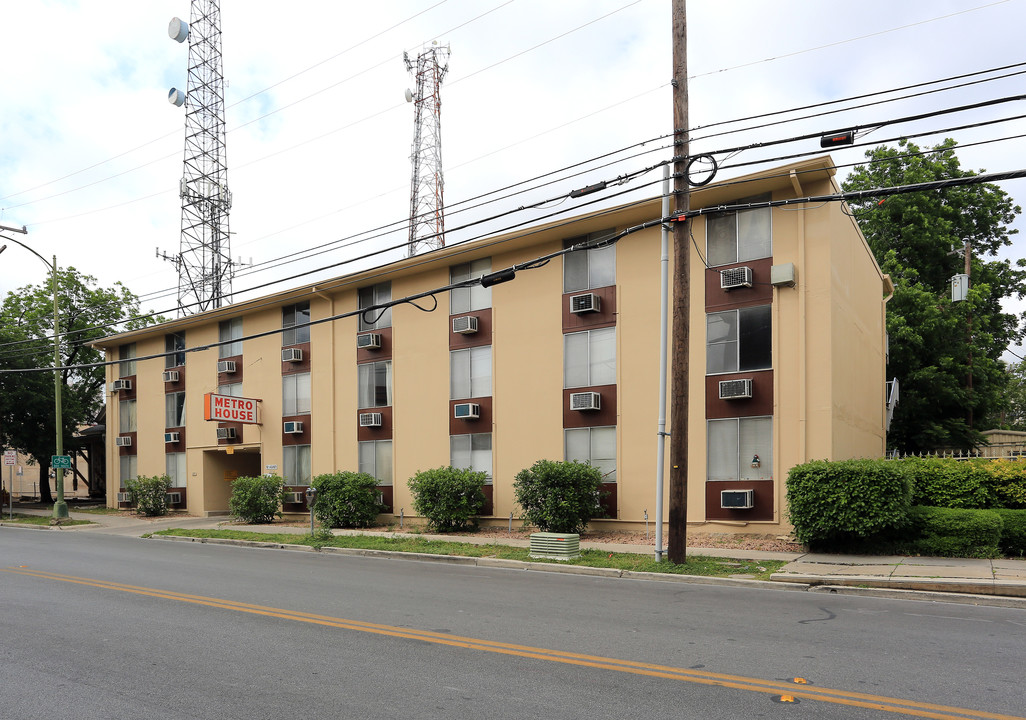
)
(946, 355)
(86, 313)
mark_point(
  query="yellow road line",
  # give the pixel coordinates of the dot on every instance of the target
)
(738, 682)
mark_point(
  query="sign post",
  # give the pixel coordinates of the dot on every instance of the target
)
(10, 458)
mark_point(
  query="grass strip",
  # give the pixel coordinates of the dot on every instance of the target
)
(695, 565)
(25, 519)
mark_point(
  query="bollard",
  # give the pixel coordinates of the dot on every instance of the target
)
(510, 522)
(400, 518)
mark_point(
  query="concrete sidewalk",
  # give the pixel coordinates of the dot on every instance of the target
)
(820, 571)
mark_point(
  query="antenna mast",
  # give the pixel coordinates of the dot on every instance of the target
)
(427, 209)
(204, 260)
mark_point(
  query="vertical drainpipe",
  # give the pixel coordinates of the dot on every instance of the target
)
(664, 282)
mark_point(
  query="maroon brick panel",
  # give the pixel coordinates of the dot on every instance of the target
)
(605, 317)
(375, 433)
(384, 353)
(291, 368)
(469, 427)
(604, 416)
(761, 402)
(761, 292)
(483, 336)
(763, 509)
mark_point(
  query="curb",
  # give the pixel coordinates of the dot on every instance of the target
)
(934, 585)
(924, 595)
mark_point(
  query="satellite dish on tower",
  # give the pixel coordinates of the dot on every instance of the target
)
(178, 30)
(176, 97)
(409, 95)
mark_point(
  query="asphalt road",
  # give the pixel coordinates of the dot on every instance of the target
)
(111, 627)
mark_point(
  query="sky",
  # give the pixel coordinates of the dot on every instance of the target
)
(542, 95)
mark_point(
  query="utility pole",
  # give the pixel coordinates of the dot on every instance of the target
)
(678, 516)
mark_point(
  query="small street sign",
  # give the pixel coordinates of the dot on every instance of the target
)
(60, 462)
(10, 457)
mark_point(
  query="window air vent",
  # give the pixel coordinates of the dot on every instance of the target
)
(226, 366)
(295, 498)
(737, 499)
(738, 277)
(124, 497)
(466, 411)
(368, 341)
(172, 437)
(735, 389)
(171, 376)
(293, 427)
(292, 355)
(121, 385)
(226, 433)
(174, 498)
(585, 401)
(370, 419)
(465, 325)
(123, 441)
(586, 303)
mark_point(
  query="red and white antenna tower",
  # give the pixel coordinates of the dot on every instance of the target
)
(204, 259)
(427, 209)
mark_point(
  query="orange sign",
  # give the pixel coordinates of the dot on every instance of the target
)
(225, 408)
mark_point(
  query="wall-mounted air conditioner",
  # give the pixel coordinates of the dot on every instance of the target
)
(292, 355)
(123, 441)
(737, 499)
(124, 497)
(585, 303)
(226, 433)
(292, 427)
(466, 411)
(370, 419)
(121, 385)
(172, 437)
(295, 498)
(464, 325)
(735, 389)
(226, 366)
(738, 277)
(585, 401)
(174, 498)
(368, 341)
(171, 376)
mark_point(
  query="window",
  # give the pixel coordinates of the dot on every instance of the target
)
(174, 345)
(593, 445)
(736, 444)
(295, 394)
(294, 321)
(231, 390)
(473, 452)
(296, 464)
(376, 460)
(126, 416)
(470, 373)
(129, 466)
(475, 297)
(375, 384)
(126, 354)
(738, 340)
(739, 236)
(592, 268)
(175, 468)
(589, 358)
(174, 410)
(232, 330)
(371, 296)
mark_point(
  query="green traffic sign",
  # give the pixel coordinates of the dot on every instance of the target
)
(60, 462)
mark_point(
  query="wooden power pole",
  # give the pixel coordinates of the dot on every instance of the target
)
(676, 547)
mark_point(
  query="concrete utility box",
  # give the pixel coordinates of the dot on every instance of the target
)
(959, 287)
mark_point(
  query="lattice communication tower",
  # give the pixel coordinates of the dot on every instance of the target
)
(427, 209)
(204, 260)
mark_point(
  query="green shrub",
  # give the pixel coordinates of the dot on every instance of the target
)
(346, 499)
(837, 503)
(949, 532)
(450, 498)
(940, 482)
(257, 500)
(558, 496)
(1009, 477)
(149, 494)
(1013, 532)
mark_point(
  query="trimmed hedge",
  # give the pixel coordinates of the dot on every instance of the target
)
(257, 500)
(450, 498)
(1013, 531)
(950, 483)
(840, 503)
(951, 532)
(346, 499)
(559, 496)
(149, 494)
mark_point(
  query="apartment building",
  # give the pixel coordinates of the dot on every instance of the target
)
(560, 362)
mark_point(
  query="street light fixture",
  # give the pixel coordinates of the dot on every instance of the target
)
(60, 507)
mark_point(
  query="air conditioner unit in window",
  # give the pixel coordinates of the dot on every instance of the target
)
(465, 325)
(370, 419)
(295, 498)
(585, 401)
(171, 376)
(123, 441)
(226, 366)
(368, 341)
(293, 427)
(737, 499)
(121, 385)
(172, 437)
(735, 389)
(174, 498)
(738, 277)
(466, 411)
(292, 355)
(586, 303)
(124, 497)
(227, 433)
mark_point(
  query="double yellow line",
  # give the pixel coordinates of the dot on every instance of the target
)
(779, 689)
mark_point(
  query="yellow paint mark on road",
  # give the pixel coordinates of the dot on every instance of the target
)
(775, 688)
